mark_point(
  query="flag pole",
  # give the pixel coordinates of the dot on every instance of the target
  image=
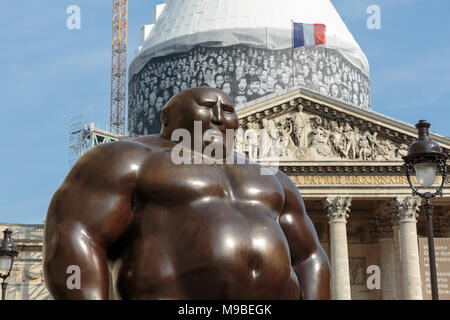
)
(266, 40)
(292, 53)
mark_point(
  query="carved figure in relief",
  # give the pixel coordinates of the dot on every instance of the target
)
(337, 141)
(402, 150)
(305, 136)
(320, 142)
(240, 141)
(390, 150)
(374, 144)
(365, 151)
(252, 140)
(350, 148)
(269, 138)
(287, 144)
(385, 150)
(302, 127)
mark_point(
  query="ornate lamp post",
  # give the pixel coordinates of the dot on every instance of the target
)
(427, 159)
(8, 252)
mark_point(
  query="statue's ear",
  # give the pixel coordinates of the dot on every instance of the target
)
(164, 116)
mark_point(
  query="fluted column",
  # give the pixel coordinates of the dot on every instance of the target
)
(398, 259)
(337, 209)
(381, 229)
(407, 213)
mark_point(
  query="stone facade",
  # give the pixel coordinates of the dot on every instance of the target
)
(27, 277)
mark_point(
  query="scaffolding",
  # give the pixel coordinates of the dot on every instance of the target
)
(119, 66)
(85, 136)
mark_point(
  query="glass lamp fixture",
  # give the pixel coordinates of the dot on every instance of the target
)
(5, 264)
(425, 173)
(426, 157)
(8, 252)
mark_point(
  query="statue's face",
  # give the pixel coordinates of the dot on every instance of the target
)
(211, 107)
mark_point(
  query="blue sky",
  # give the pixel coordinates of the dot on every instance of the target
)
(51, 74)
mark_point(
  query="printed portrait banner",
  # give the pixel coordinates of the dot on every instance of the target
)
(246, 74)
(442, 252)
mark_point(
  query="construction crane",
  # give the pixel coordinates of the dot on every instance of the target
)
(119, 66)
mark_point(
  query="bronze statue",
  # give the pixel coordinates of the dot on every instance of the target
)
(181, 231)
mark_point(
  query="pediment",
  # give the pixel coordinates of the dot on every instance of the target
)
(310, 127)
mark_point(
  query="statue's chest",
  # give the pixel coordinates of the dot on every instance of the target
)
(162, 181)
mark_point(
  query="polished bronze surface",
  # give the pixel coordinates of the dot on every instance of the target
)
(187, 231)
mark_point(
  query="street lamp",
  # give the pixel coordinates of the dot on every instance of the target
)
(427, 159)
(8, 252)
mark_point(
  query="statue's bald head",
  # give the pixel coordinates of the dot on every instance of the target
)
(212, 107)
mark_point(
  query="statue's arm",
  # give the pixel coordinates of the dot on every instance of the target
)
(308, 258)
(87, 214)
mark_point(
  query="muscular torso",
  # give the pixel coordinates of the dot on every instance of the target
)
(203, 232)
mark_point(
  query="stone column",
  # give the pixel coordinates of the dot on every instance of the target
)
(407, 213)
(387, 266)
(381, 229)
(398, 259)
(337, 208)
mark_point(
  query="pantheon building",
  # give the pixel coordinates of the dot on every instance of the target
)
(345, 158)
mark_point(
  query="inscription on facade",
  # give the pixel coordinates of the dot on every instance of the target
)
(355, 180)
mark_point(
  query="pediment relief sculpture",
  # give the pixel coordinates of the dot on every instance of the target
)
(303, 136)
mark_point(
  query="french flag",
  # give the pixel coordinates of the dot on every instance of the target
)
(309, 34)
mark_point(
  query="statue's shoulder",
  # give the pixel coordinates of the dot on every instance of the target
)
(112, 161)
(117, 150)
(131, 148)
(286, 182)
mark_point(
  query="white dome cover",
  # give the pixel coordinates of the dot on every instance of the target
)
(183, 24)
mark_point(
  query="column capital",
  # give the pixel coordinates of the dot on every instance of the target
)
(407, 207)
(337, 208)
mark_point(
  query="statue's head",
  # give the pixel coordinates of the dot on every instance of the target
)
(210, 107)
